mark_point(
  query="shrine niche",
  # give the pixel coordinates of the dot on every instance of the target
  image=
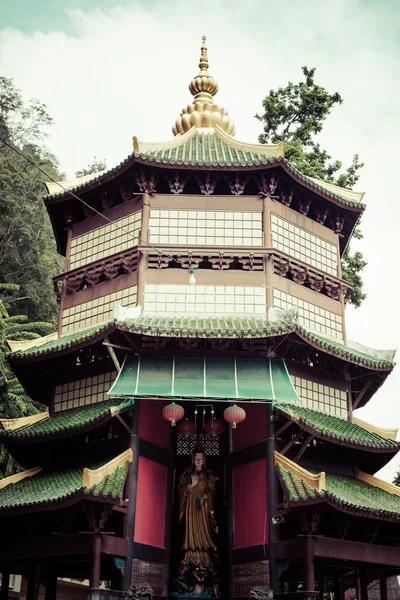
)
(198, 572)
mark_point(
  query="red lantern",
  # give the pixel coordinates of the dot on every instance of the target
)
(214, 426)
(173, 413)
(234, 414)
(186, 428)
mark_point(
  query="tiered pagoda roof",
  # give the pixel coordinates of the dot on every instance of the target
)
(66, 423)
(40, 490)
(363, 495)
(213, 328)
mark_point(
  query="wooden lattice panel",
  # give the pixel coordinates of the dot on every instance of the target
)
(185, 444)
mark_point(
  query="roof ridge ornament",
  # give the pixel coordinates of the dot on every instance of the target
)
(203, 112)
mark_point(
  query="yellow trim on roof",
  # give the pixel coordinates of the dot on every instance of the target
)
(390, 434)
(57, 187)
(19, 477)
(8, 424)
(379, 483)
(316, 481)
(93, 476)
(340, 191)
(27, 344)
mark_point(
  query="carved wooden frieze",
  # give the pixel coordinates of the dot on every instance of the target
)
(249, 575)
(321, 213)
(338, 223)
(287, 197)
(252, 262)
(237, 184)
(304, 205)
(149, 574)
(207, 183)
(177, 182)
(267, 185)
(158, 261)
(146, 182)
(221, 262)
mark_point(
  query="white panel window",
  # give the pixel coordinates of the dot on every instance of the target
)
(106, 240)
(206, 228)
(205, 300)
(83, 392)
(96, 311)
(303, 245)
(310, 315)
(321, 397)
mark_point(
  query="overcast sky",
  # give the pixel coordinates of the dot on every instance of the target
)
(108, 70)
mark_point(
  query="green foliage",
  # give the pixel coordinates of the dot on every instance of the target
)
(28, 255)
(295, 114)
(14, 402)
(95, 167)
(396, 480)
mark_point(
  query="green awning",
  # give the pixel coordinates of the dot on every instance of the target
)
(225, 378)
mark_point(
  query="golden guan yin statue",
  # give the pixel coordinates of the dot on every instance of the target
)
(198, 572)
(197, 487)
(204, 111)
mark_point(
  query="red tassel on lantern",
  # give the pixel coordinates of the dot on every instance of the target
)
(214, 426)
(186, 428)
(173, 413)
(234, 414)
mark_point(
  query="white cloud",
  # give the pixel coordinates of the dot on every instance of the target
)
(125, 72)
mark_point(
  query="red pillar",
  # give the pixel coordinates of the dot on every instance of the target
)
(96, 561)
(309, 577)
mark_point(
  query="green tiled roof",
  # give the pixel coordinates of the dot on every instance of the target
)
(220, 327)
(47, 488)
(65, 422)
(338, 429)
(69, 340)
(208, 150)
(345, 492)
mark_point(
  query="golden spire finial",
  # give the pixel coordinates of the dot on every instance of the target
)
(203, 85)
(203, 112)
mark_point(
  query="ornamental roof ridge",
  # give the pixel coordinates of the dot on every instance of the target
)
(149, 148)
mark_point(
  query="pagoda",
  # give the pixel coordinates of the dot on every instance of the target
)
(203, 289)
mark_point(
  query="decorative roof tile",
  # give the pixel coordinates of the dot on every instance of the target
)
(345, 493)
(337, 428)
(213, 149)
(54, 487)
(65, 422)
(221, 328)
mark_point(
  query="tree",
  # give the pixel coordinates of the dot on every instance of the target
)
(95, 167)
(28, 254)
(396, 480)
(14, 402)
(296, 114)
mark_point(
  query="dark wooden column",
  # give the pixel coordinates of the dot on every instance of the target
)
(130, 519)
(5, 584)
(51, 587)
(168, 507)
(32, 591)
(309, 577)
(96, 562)
(358, 583)
(383, 588)
(338, 588)
(271, 500)
(364, 584)
(229, 503)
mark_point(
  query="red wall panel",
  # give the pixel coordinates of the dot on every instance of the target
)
(253, 429)
(152, 427)
(250, 504)
(150, 503)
